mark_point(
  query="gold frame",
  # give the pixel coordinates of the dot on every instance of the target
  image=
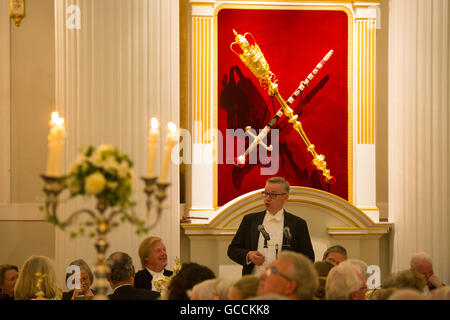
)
(17, 11)
(349, 85)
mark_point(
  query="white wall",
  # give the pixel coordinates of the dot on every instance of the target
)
(419, 157)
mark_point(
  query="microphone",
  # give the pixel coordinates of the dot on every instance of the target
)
(287, 232)
(288, 235)
(265, 234)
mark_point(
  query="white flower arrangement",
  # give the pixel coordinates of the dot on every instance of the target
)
(102, 172)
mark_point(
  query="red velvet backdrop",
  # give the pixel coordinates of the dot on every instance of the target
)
(293, 42)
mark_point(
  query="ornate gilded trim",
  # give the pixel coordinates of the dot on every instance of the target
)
(366, 80)
(201, 73)
(17, 8)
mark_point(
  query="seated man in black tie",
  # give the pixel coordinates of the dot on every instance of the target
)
(121, 277)
(152, 253)
(262, 235)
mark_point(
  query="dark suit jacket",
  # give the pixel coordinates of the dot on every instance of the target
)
(143, 278)
(129, 292)
(247, 235)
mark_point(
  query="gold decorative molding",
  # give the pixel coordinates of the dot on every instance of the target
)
(366, 80)
(17, 8)
(315, 2)
(202, 73)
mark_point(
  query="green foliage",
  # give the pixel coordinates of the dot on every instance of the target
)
(105, 173)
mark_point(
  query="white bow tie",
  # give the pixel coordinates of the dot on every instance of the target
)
(271, 218)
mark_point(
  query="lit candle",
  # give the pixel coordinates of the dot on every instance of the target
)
(171, 140)
(55, 145)
(152, 139)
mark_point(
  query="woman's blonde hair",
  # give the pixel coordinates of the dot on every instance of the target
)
(144, 248)
(26, 285)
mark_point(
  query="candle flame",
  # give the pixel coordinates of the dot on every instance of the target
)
(154, 123)
(56, 119)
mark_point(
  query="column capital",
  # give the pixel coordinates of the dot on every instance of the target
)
(366, 12)
(204, 8)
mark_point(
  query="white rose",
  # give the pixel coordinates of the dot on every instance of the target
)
(96, 159)
(104, 147)
(96, 156)
(95, 183)
(78, 161)
(123, 170)
(110, 164)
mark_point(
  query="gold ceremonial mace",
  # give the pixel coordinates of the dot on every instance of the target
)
(253, 58)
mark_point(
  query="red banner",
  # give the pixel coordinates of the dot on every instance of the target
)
(293, 43)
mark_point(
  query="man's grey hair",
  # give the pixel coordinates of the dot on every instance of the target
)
(419, 258)
(342, 281)
(303, 273)
(362, 266)
(120, 267)
(337, 249)
(281, 181)
(223, 285)
(206, 289)
(213, 288)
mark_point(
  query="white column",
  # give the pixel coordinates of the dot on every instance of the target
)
(204, 175)
(119, 69)
(419, 159)
(364, 178)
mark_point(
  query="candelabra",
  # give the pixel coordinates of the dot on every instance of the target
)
(40, 295)
(102, 219)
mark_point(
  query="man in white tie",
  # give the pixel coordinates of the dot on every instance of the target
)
(262, 235)
(153, 255)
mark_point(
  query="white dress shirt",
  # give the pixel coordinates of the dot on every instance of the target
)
(155, 276)
(274, 226)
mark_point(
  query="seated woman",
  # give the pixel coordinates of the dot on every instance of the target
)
(8, 277)
(86, 280)
(28, 286)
